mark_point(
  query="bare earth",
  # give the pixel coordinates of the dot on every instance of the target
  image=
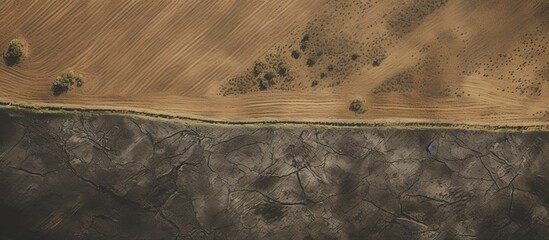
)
(436, 61)
(81, 176)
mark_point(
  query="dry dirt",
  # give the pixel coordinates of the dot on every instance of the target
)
(82, 176)
(450, 61)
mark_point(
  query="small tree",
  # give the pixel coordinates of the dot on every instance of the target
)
(65, 81)
(356, 106)
(310, 62)
(14, 53)
(376, 63)
(282, 70)
(259, 67)
(295, 54)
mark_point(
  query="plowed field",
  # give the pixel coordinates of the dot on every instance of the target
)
(439, 61)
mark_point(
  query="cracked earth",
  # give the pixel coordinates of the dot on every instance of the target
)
(110, 177)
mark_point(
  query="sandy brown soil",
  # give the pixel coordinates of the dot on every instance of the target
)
(475, 62)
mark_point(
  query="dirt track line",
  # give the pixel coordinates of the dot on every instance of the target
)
(5, 106)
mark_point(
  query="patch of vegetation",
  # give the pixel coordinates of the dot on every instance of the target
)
(412, 15)
(303, 46)
(305, 38)
(263, 85)
(14, 53)
(323, 75)
(259, 67)
(401, 83)
(376, 63)
(354, 57)
(303, 43)
(295, 54)
(282, 70)
(271, 72)
(269, 76)
(310, 62)
(314, 83)
(356, 106)
(65, 81)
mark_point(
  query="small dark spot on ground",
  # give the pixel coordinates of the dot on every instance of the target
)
(323, 75)
(356, 106)
(310, 62)
(376, 63)
(271, 212)
(305, 38)
(263, 85)
(295, 54)
(268, 76)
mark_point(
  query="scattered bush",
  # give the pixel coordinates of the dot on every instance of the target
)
(305, 38)
(295, 54)
(303, 43)
(263, 84)
(376, 63)
(65, 81)
(258, 68)
(282, 70)
(79, 82)
(356, 106)
(354, 57)
(310, 62)
(268, 76)
(323, 75)
(14, 53)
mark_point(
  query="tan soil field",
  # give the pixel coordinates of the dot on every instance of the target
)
(437, 61)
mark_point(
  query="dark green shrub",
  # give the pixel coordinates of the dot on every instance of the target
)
(303, 43)
(263, 84)
(14, 53)
(79, 82)
(310, 62)
(282, 70)
(65, 81)
(295, 54)
(323, 75)
(270, 77)
(376, 63)
(356, 106)
(305, 38)
(303, 46)
(258, 68)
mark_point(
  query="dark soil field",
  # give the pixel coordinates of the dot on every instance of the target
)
(83, 176)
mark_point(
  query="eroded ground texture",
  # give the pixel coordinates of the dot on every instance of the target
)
(108, 177)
